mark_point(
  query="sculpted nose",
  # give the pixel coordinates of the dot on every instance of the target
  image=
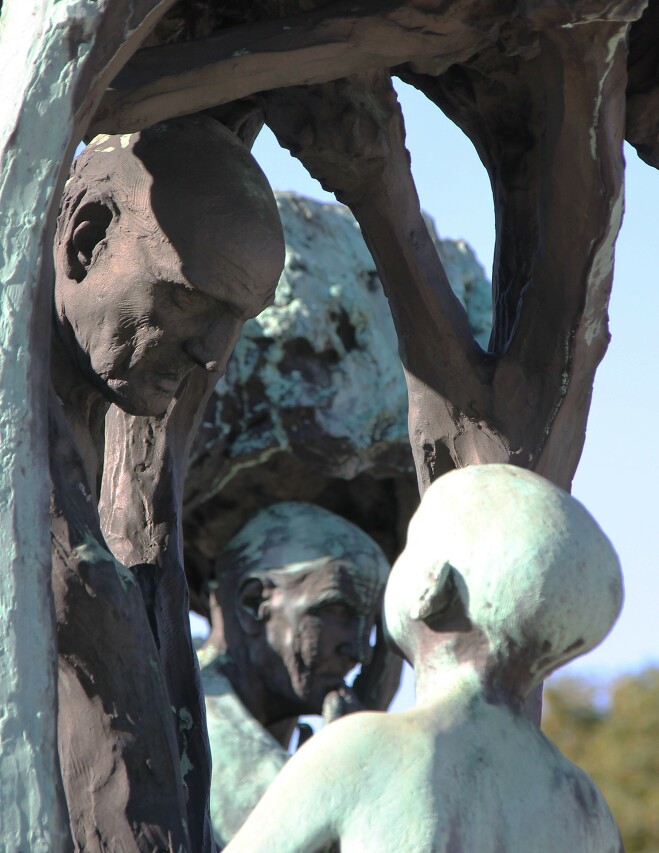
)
(212, 349)
(351, 645)
(350, 651)
(195, 349)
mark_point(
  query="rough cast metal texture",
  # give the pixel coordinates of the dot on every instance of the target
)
(509, 74)
(117, 748)
(121, 715)
(561, 67)
(464, 770)
(325, 40)
(148, 306)
(297, 594)
(56, 61)
(314, 405)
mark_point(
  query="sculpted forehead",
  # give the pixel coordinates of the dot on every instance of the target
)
(338, 581)
(190, 185)
(203, 256)
(298, 538)
(231, 238)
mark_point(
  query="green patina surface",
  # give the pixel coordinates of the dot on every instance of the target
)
(330, 302)
(504, 577)
(39, 74)
(289, 536)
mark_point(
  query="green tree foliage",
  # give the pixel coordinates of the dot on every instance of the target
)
(613, 734)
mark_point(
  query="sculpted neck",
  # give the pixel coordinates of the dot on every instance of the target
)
(443, 679)
(83, 406)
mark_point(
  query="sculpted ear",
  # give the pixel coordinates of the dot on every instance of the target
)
(88, 228)
(440, 595)
(253, 608)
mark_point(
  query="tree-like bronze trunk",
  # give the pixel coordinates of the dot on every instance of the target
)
(549, 128)
(58, 58)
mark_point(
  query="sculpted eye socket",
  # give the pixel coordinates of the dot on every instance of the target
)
(189, 299)
(340, 611)
(183, 297)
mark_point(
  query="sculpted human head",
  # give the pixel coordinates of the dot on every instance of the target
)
(167, 241)
(300, 587)
(500, 563)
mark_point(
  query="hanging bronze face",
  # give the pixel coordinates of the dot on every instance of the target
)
(168, 241)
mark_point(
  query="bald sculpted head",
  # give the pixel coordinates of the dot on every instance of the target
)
(502, 552)
(167, 241)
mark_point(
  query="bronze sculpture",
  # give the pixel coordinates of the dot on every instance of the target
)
(145, 295)
(483, 618)
(560, 71)
(296, 596)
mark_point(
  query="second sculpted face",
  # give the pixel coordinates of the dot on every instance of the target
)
(317, 631)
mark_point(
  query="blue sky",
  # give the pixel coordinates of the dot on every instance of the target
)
(618, 475)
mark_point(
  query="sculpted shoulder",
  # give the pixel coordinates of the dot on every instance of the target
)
(369, 735)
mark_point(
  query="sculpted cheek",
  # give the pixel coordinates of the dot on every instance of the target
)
(143, 340)
(110, 354)
(101, 347)
(306, 644)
